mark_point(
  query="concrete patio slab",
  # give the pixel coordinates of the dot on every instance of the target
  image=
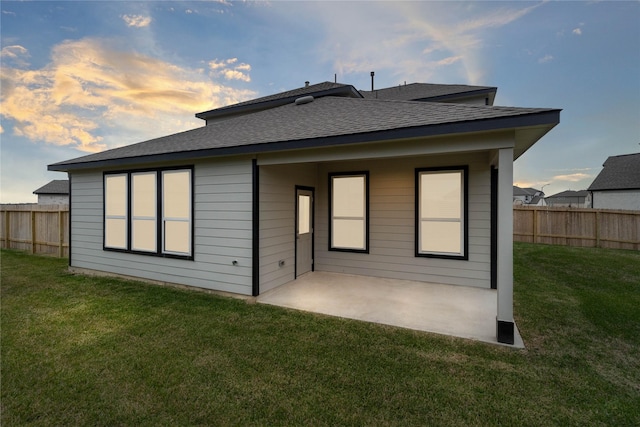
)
(459, 311)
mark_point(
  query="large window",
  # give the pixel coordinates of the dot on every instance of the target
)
(149, 212)
(143, 212)
(349, 211)
(116, 210)
(176, 211)
(441, 212)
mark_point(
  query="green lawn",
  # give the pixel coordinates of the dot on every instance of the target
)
(78, 350)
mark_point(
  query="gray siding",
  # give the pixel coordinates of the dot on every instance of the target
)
(223, 206)
(277, 220)
(392, 227)
(223, 226)
(619, 199)
(53, 199)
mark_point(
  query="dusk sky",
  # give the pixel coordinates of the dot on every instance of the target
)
(81, 77)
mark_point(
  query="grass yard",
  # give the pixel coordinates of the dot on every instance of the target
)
(78, 350)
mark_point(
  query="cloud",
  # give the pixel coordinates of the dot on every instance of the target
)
(577, 31)
(545, 59)
(16, 54)
(227, 69)
(13, 51)
(93, 95)
(448, 61)
(526, 184)
(137, 21)
(412, 38)
(574, 177)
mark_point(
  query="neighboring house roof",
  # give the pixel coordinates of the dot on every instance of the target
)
(282, 98)
(57, 186)
(619, 173)
(517, 191)
(429, 92)
(536, 200)
(327, 121)
(569, 194)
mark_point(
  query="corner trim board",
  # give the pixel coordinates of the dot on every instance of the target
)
(494, 228)
(69, 218)
(255, 244)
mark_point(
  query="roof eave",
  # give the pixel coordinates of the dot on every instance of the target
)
(468, 94)
(542, 122)
(614, 189)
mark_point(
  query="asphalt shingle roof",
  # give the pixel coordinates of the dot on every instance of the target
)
(569, 194)
(424, 91)
(324, 87)
(57, 186)
(517, 191)
(619, 173)
(324, 122)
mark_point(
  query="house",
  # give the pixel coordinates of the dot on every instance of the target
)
(528, 197)
(568, 199)
(55, 192)
(319, 178)
(617, 186)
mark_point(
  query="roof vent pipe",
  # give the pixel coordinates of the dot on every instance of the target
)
(372, 74)
(306, 84)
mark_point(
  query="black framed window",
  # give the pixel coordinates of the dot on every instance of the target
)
(442, 212)
(349, 211)
(116, 211)
(144, 210)
(149, 211)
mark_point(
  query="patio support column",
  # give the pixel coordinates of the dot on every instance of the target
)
(504, 320)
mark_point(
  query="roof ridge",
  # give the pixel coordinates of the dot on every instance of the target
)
(269, 101)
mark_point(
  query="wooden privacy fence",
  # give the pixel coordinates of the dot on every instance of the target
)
(577, 227)
(39, 229)
(44, 229)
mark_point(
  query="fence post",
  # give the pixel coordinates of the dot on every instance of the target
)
(535, 225)
(597, 229)
(7, 240)
(33, 232)
(60, 234)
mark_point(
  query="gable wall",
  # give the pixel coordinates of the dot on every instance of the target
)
(619, 199)
(392, 224)
(223, 206)
(53, 199)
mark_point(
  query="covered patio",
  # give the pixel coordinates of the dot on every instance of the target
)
(460, 311)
